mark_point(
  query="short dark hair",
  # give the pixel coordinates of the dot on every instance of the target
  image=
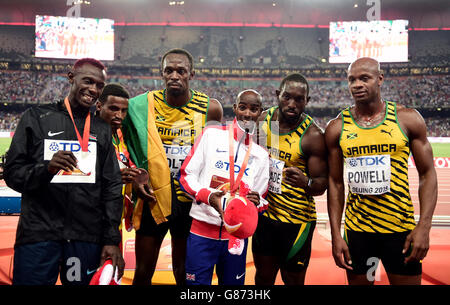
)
(295, 77)
(179, 51)
(113, 89)
(87, 60)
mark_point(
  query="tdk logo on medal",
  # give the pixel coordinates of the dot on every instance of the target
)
(226, 165)
(367, 161)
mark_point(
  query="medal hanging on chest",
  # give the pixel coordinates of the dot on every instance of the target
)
(86, 161)
(122, 153)
(234, 184)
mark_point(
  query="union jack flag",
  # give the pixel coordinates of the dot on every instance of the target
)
(190, 277)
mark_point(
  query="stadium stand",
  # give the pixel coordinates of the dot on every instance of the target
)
(327, 97)
(223, 46)
(231, 58)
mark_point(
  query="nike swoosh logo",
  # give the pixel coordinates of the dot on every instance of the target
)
(219, 151)
(52, 134)
(239, 276)
(91, 271)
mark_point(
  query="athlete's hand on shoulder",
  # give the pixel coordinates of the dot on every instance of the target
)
(419, 242)
(253, 197)
(114, 253)
(295, 177)
(62, 160)
(341, 253)
(144, 191)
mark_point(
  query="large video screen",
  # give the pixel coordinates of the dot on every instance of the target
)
(73, 38)
(384, 40)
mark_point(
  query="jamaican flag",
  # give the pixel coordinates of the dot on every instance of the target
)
(146, 151)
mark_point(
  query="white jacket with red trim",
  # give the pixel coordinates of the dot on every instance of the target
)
(207, 166)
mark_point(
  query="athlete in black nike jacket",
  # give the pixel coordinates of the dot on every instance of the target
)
(65, 228)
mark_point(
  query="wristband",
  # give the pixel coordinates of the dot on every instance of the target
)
(203, 196)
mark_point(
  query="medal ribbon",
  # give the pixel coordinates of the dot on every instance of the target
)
(84, 141)
(235, 184)
(122, 148)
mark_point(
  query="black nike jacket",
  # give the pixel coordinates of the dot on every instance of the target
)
(63, 211)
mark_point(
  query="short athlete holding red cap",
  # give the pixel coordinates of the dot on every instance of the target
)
(225, 167)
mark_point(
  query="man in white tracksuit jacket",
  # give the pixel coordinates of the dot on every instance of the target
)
(204, 173)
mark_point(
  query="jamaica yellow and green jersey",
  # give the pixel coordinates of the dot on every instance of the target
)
(376, 170)
(178, 128)
(287, 203)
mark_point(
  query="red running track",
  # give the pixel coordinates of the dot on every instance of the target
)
(322, 269)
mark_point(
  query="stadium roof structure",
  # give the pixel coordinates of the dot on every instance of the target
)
(283, 13)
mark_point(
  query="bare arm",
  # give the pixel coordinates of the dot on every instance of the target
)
(336, 193)
(313, 146)
(414, 126)
(215, 112)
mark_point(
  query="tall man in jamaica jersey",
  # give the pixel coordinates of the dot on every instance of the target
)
(180, 114)
(298, 172)
(372, 140)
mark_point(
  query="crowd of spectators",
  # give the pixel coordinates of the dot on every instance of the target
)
(438, 127)
(9, 120)
(431, 91)
(30, 87)
(413, 91)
